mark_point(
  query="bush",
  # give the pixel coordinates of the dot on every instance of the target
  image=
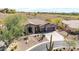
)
(55, 20)
(14, 28)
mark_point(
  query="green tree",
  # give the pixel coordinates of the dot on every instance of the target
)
(14, 28)
(6, 10)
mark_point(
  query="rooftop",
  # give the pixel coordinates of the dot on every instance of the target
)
(72, 23)
(37, 21)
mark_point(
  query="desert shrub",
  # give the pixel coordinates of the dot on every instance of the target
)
(1, 21)
(61, 26)
(55, 20)
(71, 43)
(14, 28)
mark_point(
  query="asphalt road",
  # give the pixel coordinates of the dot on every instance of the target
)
(42, 47)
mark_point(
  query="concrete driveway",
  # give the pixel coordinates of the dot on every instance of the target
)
(55, 36)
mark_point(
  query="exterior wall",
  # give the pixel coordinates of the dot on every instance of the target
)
(30, 25)
(37, 29)
(50, 27)
(40, 29)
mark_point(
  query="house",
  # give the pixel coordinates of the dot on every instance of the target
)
(39, 26)
(71, 25)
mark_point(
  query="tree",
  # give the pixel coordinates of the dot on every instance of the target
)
(14, 28)
(11, 11)
(6, 10)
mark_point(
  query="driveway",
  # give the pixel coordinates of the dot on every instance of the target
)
(56, 37)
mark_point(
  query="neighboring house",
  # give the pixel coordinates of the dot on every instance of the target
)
(39, 26)
(71, 25)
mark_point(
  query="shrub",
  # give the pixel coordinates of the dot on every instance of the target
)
(55, 20)
(14, 28)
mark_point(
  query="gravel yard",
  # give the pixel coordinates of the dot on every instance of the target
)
(22, 45)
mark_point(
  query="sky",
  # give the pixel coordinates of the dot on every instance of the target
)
(66, 10)
(42, 5)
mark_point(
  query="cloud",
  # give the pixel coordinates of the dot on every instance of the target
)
(39, 3)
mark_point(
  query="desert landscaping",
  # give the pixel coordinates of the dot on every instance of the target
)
(38, 31)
